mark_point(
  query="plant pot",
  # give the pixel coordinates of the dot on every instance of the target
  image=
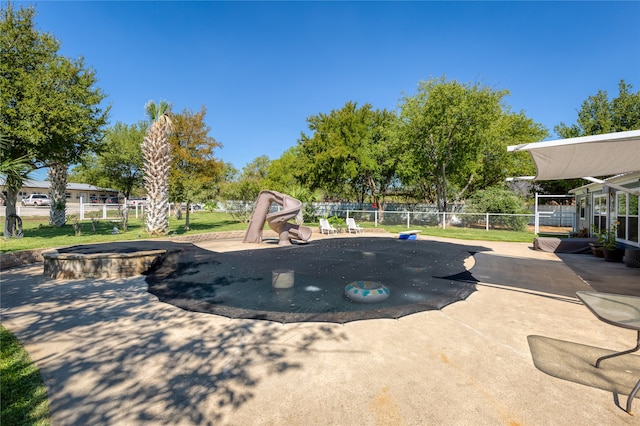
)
(613, 255)
(632, 258)
(596, 249)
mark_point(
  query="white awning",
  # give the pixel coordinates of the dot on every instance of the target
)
(597, 155)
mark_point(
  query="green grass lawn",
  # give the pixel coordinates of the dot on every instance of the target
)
(38, 234)
(23, 396)
(470, 233)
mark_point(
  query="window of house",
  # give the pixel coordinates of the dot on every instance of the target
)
(600, 212)
(627, 211)
(583, 208)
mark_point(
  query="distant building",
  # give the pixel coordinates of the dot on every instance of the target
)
(75, 191)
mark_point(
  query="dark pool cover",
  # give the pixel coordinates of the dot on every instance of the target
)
(420, 275)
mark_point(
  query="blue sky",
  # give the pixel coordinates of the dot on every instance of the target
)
(262, 68)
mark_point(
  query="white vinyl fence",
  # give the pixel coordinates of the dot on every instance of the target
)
(560, 217)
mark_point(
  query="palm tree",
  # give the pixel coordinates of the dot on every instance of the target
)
(156, 152)
(58, 176)
(14, 171)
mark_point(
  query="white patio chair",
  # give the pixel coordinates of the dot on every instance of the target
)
(326, 227)
(353, 226)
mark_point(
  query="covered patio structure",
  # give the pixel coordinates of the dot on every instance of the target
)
(604, 201)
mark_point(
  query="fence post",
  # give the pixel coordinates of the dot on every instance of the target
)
(444, 220)
(104, 211)
(375, 215)
(408, 219)
(486, 221)
(536, 219)
(81, 209)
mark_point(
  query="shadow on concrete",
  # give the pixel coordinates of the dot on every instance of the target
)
(575, 363)
(96, 336)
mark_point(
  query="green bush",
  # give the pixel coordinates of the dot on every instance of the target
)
(309, 213)
(337, 222)
(499, 200)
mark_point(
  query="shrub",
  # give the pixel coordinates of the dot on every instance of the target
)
(499, 200)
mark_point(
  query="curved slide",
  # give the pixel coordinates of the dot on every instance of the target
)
(278, 221)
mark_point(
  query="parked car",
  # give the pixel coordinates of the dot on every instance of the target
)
(137, 201)
(194, 206)
(36, 200)
(111, 200)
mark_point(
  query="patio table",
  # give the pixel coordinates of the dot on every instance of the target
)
(618, 310)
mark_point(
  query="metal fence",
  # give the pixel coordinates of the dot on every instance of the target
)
(412, 219)
(561, 218)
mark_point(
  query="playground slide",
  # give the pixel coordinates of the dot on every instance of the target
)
(278, 221)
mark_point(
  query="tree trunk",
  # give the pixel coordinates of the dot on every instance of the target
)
(10, 205)
(57, 193)
(157, 160)
(186, 221)
(441, 189)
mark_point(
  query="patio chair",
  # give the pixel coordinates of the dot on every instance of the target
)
(325, 226)
(353, 226)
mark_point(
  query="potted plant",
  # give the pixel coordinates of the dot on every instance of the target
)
(610, 249)
(596, 248)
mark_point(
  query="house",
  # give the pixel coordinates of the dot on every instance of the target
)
(602, 205)
(75, 191)
(604, 202)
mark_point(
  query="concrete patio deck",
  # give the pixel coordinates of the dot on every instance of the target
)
(519, 351)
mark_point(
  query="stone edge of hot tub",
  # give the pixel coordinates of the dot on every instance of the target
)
(99, 265)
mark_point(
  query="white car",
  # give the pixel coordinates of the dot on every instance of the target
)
(137, 201)
(36, 200)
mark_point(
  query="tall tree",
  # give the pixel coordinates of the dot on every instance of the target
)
(119, 162)
(156, 152)
(253, 175)
(598, 115)
(625, 109)
(282, 172)
(226, 186)
(444, 126)
(50, 105)
(495, 163)
(247, 184)
(351, 153)
(194, 169)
